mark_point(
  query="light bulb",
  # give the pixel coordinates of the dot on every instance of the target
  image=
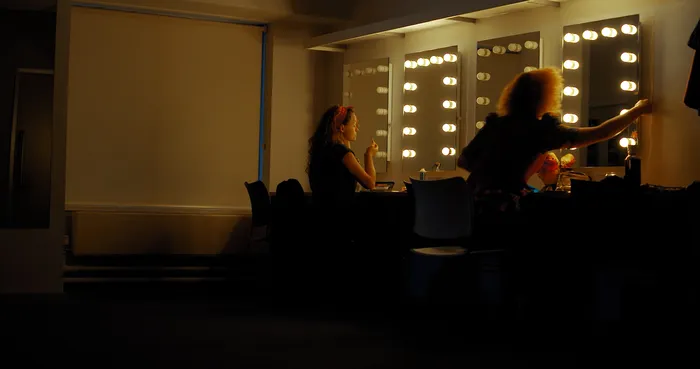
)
(449, 81)
(571, 37)
(624, 142)
(483, 76)
(483, 100)
(357, 72)
(382, 111)
(422, 62)
(529, 69)
(381, 154)
(409, 108)
(436, 59)
(382, 68)
(348, 74)
(382, 90)
(409, 131)
(590, 35)
(410, 86)
(370, 70)
(483, 52)
(628, 57)
(624, 111)
(516, 48)
(531, 45)
(609, 32)
(632, 141)
(449, 104)
(570, 118)
(408, 153)
(480, 124)
(628, 29)
(449, 151)
(450, 58)
(410, 64)
(628, 86)
(448, 127)
(571, 64)
(570, 91)
(382, 133)
(499, 50)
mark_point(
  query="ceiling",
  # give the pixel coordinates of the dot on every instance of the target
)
(36, 5)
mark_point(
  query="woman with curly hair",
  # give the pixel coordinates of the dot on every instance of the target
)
(333, 168)
(514, 142)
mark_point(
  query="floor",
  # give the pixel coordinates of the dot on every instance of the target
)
(158, 327)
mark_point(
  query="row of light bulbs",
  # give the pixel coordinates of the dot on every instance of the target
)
(410, 109)
(591, 35)
(500, 50)
(367, 71)
(447, 128)
(446, 151)
(625, 57)
(425, 62)
(624, 85)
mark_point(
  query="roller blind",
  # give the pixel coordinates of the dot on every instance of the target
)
(162, 111)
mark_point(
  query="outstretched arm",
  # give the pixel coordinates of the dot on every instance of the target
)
(590, 135)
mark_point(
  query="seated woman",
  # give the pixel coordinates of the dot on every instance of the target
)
(513, 144)
(333, 168)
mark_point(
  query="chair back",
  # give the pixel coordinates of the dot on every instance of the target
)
(444, 208)
(259, 203)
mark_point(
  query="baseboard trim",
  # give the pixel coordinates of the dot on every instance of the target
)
(157, 209)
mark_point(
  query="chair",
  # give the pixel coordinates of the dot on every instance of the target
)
(289, 216)
(444, 222)
(262, 213)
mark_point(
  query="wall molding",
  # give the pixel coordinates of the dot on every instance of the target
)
(158, 209)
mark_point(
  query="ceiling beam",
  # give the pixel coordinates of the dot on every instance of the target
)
(545, 3)
(462, 19)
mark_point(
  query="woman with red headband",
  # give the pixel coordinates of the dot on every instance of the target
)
(333, 168)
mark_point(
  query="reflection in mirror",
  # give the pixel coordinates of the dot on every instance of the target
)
(367, 87)
(430, 110)
(26, 113)
(602, 76)
(499, 60)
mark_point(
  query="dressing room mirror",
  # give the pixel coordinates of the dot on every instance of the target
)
(367, 88)
(430, 110)
(498, 61)
(602, 75)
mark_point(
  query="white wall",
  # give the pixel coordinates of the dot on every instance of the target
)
(667, 145)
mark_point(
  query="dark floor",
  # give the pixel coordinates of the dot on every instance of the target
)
(159, 327)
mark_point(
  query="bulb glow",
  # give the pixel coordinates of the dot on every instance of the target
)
(370, 70)
(480, 124)
(570, 91)
(624, 142)
(382, 68)
(483, 76)
(408, 153)
(570, 118)
(628, 86)
(571, 64)
(483, 52)
(422, 62)
(499, 50)
(450, 58)
(628, 29)
(516, 48)
(409, 131)
(590, 35)
(436, 59)
(382, 90)
(529, 69)
(382, 111)
(531, 45)
(448, 127)
(481, 100)
(449, 151)
(410, 86)
(571, 38)
(410, 64)
(449, 104)
(382, 133)
(609, 32)
(628, 57)
(449, 81)
(409, 109)
(624, 111)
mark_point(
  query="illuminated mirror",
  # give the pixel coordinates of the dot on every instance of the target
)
(498, 61)
(430, 110)
(602, 77)
(367, 88)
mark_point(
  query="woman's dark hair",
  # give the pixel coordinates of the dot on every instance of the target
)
(532, 93)
(323, 135)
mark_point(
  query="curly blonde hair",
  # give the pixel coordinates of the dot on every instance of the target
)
(533, 94)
